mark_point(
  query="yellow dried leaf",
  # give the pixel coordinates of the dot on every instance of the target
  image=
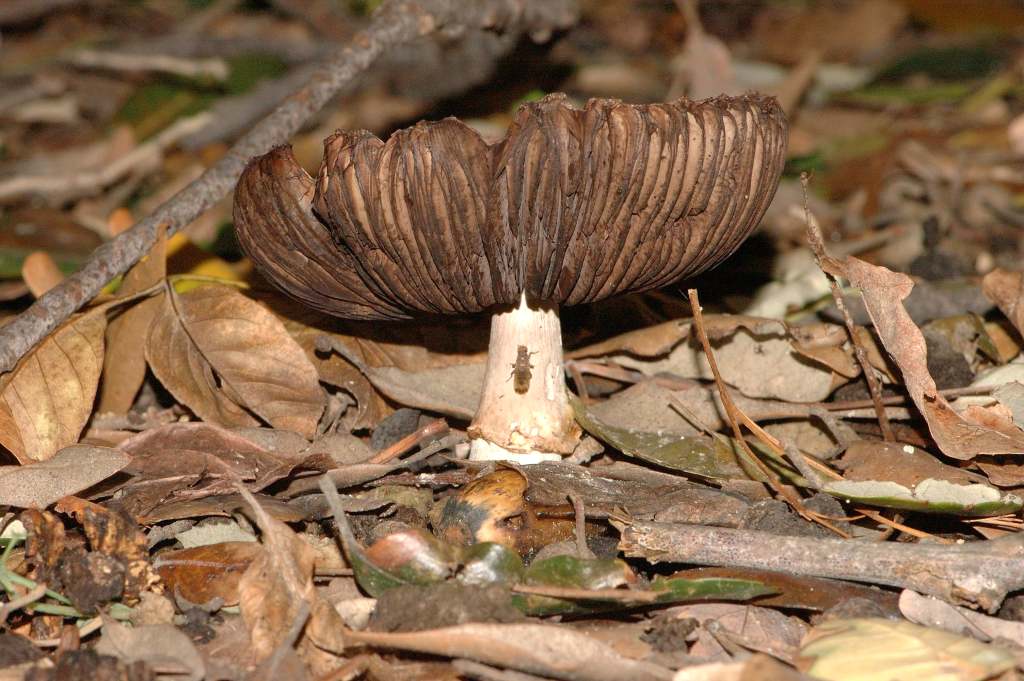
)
(46, 400)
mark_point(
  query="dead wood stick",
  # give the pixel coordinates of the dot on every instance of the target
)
(213, 68)
(977, 574)
(395, 23)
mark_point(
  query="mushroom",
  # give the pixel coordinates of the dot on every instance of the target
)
(572, 206)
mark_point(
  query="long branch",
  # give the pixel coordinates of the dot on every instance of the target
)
(397, 22)
(977, 573)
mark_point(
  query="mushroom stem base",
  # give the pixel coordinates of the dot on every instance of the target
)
(524, 413)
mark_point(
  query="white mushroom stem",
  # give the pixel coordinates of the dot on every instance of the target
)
(524, 413)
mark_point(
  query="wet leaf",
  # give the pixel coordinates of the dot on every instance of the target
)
(371, 579)
(47, 399)
(869, 649)
(222, 354)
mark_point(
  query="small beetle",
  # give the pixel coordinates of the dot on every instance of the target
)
(522, 370)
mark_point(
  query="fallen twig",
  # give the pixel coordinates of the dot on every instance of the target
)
(212, 68)
(979, 574)
(735, 416)
(436, 428)
(396, 22)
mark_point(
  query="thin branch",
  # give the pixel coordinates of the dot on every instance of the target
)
(212, 68)
(397, 22)
(735, 416)
(435, 429)
(978, 573)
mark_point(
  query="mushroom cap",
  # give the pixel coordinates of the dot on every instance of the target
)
(572, 206)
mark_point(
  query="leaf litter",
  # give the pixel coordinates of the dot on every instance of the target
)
(164, 494)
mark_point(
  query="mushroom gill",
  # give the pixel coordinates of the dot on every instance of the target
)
(572, 206)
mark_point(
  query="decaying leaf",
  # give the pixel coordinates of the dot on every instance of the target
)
(47, 399)
(162, 645)
(957, 435)
(274, 588)
(224, 355)
(40, 483)
(870, 649)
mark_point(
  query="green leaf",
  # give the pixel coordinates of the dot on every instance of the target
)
(928, 496)
(690, 454)
(681, 590)
(489, 563)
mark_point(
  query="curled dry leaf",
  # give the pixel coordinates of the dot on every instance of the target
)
(224, 355)
(72, 469)
(1006, 289)
(46, 400)
(957, 435)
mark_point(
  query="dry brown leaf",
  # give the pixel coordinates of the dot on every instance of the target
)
(69, 471)
(124, 364)
(221, 353)
(955, 434)
(760, 357)
(1006, 289)
(40, 272)
(163, 646)
(543, 649)
(46, 400)
(899, 463)
(339, 372)
(275, 586)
